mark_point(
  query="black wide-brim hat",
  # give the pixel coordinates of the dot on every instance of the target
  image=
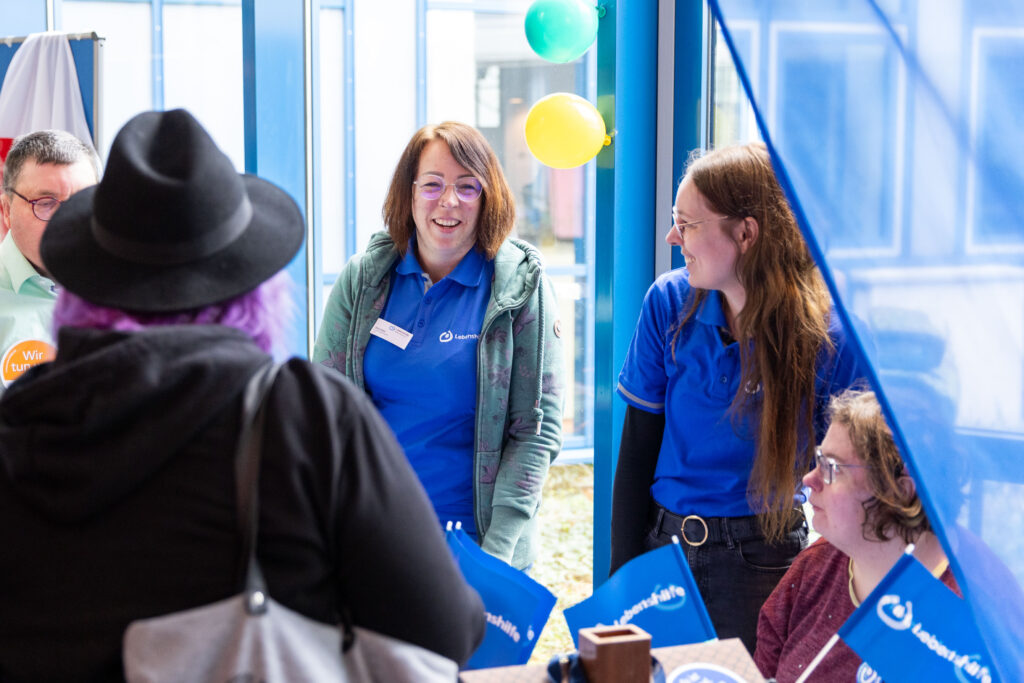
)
(171, 226)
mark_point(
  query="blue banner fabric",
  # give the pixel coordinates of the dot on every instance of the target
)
(895, 130)
(913, 628)
(517, 607)
(654, 591)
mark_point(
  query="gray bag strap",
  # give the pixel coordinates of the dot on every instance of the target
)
(247, 479)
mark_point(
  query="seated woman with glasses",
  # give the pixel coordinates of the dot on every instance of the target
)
(867, 509)
(726, 380)
(452, 328)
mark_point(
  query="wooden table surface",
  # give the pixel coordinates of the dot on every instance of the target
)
(729, 654)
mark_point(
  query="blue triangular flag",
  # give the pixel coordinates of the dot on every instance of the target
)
(656, 592)
(517, 607)
(910, 122)
(914, 628)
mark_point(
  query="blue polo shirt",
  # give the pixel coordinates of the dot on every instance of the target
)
(706, 453)
(427, 392)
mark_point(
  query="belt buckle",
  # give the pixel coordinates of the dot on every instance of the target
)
(682, 530)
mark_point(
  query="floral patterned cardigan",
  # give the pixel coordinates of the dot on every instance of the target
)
(519, 388)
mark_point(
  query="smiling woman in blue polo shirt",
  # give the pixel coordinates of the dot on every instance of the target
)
(450, 326)
(727, 378)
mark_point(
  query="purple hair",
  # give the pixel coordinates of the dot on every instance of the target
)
(262, 313)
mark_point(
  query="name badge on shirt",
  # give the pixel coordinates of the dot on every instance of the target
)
(390, 332)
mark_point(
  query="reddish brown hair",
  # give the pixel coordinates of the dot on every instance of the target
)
(472, 151)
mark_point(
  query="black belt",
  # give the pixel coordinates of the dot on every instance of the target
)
(696, 530)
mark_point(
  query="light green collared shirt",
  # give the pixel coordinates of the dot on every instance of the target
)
(26, 310)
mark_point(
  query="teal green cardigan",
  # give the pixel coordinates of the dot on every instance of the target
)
(519, 389)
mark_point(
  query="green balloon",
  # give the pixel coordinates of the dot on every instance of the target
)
(561, 30)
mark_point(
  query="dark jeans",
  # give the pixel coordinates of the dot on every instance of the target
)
(735, 577)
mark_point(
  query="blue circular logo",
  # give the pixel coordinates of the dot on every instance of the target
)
(703, 672)
(865, 674)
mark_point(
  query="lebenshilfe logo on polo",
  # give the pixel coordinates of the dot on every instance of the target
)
(448, 336)
(900, 617)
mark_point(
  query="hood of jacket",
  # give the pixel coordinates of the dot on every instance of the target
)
(78, 434)
(517, 267)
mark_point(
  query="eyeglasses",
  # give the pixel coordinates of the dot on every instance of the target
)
(830, 468)
(433, 187)
(43, 207)
(680, 228)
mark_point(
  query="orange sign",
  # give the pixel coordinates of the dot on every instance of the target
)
(22, 356)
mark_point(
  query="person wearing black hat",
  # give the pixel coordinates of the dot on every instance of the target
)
(117, 476)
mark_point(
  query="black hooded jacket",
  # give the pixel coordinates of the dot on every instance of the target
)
(117, 502)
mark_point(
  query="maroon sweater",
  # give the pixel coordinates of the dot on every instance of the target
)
(806, 608)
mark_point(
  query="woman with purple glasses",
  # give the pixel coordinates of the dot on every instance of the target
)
(452, 329)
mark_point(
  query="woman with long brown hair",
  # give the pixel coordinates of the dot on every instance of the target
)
(727, 377)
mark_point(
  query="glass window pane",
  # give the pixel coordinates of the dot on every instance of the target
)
(572, 312)
(997, 189)
(126, 68)
(733, 121)
(481, 70)
(868, 105)
(203, 70)
(800, 67)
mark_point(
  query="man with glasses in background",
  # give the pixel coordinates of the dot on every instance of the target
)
(42, 170)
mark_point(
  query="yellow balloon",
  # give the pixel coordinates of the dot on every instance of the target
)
(564, 130)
